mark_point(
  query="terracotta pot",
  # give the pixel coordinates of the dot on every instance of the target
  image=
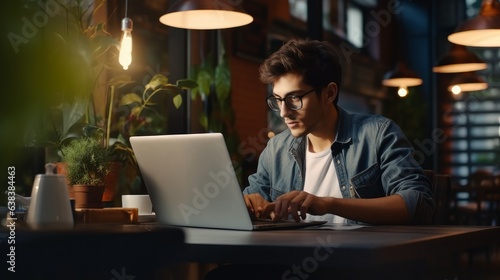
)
(61, 169)
(111, 182)
(87, 196)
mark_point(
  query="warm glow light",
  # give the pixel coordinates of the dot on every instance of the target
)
(482, 30)
(206, 19)
(399, 82)
(401, 76)
(459, 67)
(125, 57)
(459, 59)
(403, 91)
(467, 82)
(477, 38)
(468, 87)
(455, 89)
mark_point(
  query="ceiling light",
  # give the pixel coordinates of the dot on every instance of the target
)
(401, 77)
(482, 30)
(205, 15)
(466, 82)
(459, 59)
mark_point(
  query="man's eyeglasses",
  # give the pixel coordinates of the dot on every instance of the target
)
(293, 102)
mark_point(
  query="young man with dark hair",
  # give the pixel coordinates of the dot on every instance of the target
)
(331, 164)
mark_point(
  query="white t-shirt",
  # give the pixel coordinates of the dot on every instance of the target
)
(320, 165)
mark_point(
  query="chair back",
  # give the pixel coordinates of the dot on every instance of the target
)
(441, 190)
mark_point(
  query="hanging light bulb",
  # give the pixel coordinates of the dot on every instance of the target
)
(403, 91)
(402, 78)
(125, 57)
(455, 89)
(467, 82)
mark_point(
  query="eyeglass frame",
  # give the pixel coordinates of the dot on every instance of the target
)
(288, 97)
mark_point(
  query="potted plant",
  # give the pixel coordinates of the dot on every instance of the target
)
(87, 164)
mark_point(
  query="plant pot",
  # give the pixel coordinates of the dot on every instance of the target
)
(87, 196)
(61, 169)
(111, 182)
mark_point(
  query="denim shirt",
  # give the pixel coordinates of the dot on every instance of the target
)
(372, 158)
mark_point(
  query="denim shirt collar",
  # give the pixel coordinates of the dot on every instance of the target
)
(344, 132)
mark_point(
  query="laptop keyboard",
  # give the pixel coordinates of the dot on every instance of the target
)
(269, 221)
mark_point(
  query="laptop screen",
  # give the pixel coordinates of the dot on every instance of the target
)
(191, 180)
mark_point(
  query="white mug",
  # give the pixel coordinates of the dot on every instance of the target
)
(140, 201)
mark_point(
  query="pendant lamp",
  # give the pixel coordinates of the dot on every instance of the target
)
(466, 82)
(459, 59)
(482, 30)
(402, 78)
(206, 15)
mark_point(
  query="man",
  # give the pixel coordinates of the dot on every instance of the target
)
(330, 164)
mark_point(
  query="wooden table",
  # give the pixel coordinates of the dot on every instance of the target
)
(91, 252)
(368, 249)
(116, 251)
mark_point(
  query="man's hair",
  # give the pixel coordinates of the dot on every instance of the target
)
(316, 61)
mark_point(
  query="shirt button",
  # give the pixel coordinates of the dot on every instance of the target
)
(338, 161)
(343, 188)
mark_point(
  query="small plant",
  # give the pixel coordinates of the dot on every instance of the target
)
(139, 107)
(87, 161)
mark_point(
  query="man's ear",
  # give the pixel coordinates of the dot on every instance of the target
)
(332, 92)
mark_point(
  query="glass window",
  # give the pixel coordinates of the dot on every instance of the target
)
(298, 9)
(460, 158)
(460, 145)
(354, 26)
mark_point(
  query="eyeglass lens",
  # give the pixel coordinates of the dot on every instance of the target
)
(293, 102)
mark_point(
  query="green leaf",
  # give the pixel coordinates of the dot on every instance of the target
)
(149, 103)
(204, 80)
(130, 98)
(71, 114)
(177, 100)
(187, 84)
(222, 82)
(156, 82)
(204, 121)
(93, 131)
(172, 89)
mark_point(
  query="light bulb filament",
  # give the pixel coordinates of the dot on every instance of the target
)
(125, 56)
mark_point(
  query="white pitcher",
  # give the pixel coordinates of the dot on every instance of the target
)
(50, 206)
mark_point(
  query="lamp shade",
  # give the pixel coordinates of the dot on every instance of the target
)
(459, 59)
(401, 77)
(206, 15)
(482, 30)
(466, 82)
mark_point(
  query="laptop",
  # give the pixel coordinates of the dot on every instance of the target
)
(191, 181)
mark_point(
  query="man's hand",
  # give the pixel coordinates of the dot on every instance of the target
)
(256, 204)
(293, 203)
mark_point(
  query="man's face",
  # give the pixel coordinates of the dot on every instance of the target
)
(308, 118)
